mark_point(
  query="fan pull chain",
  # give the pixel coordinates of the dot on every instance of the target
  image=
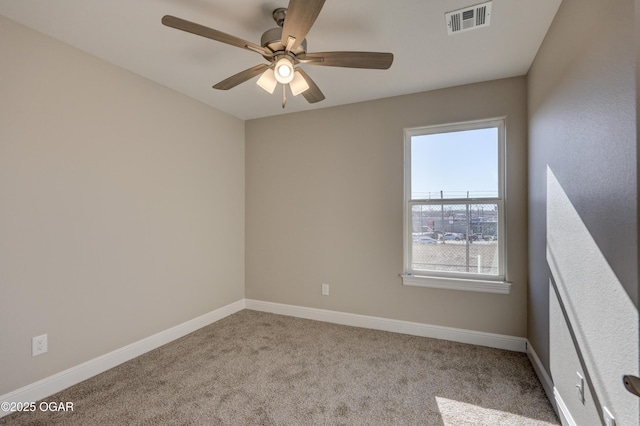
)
(284, 96)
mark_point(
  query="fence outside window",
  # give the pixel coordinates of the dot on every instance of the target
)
(455, 236)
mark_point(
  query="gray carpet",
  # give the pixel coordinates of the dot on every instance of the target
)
(254, 368)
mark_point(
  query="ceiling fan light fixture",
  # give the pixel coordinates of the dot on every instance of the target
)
(268, 81)
(284, 70)
(298, 84)
(286, 46)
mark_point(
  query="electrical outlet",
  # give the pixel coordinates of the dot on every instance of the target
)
(39, 345)
(325, 289)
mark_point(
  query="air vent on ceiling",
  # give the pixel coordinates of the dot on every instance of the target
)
(469, 18)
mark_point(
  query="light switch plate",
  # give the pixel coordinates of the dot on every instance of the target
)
(609, 420)
(580, 386)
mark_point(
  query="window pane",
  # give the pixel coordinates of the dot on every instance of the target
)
(455, 238)
(461, 164)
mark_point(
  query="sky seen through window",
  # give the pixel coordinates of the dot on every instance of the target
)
(455, 163)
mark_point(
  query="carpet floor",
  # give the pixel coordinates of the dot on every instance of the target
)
(255, 368)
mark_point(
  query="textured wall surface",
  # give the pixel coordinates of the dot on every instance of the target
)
(583, 148)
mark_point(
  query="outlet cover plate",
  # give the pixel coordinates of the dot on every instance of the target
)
(39, 345)
(325, 289)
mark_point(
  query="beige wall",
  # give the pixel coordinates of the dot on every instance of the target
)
(324, 195)
(121, 207)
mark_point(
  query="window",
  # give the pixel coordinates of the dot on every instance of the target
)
(454, 206)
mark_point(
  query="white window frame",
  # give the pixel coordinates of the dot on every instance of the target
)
(457, 280)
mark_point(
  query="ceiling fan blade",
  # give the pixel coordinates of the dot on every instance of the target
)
(313, 94)
(301, 14)
(369, 60)
(201, 30)
(241, 77)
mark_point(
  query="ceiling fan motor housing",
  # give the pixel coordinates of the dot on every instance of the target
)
(272, 40)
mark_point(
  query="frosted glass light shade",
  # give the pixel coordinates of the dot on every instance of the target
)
(284, 70)
(268, 81)
(298, 84)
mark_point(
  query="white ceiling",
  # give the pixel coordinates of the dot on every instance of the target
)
(129, 34)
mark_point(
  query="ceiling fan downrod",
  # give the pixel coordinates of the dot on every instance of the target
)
(279, 15)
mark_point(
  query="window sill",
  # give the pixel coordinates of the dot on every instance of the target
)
(482, 286)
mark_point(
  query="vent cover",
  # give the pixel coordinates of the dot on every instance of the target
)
(469, 18)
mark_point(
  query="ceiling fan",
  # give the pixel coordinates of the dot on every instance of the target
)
(285, 48)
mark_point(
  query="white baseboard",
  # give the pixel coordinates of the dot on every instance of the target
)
(552, 392)
(563, 411)
(53, 384)
(499, 341)
(542, 374)
(60, 381)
